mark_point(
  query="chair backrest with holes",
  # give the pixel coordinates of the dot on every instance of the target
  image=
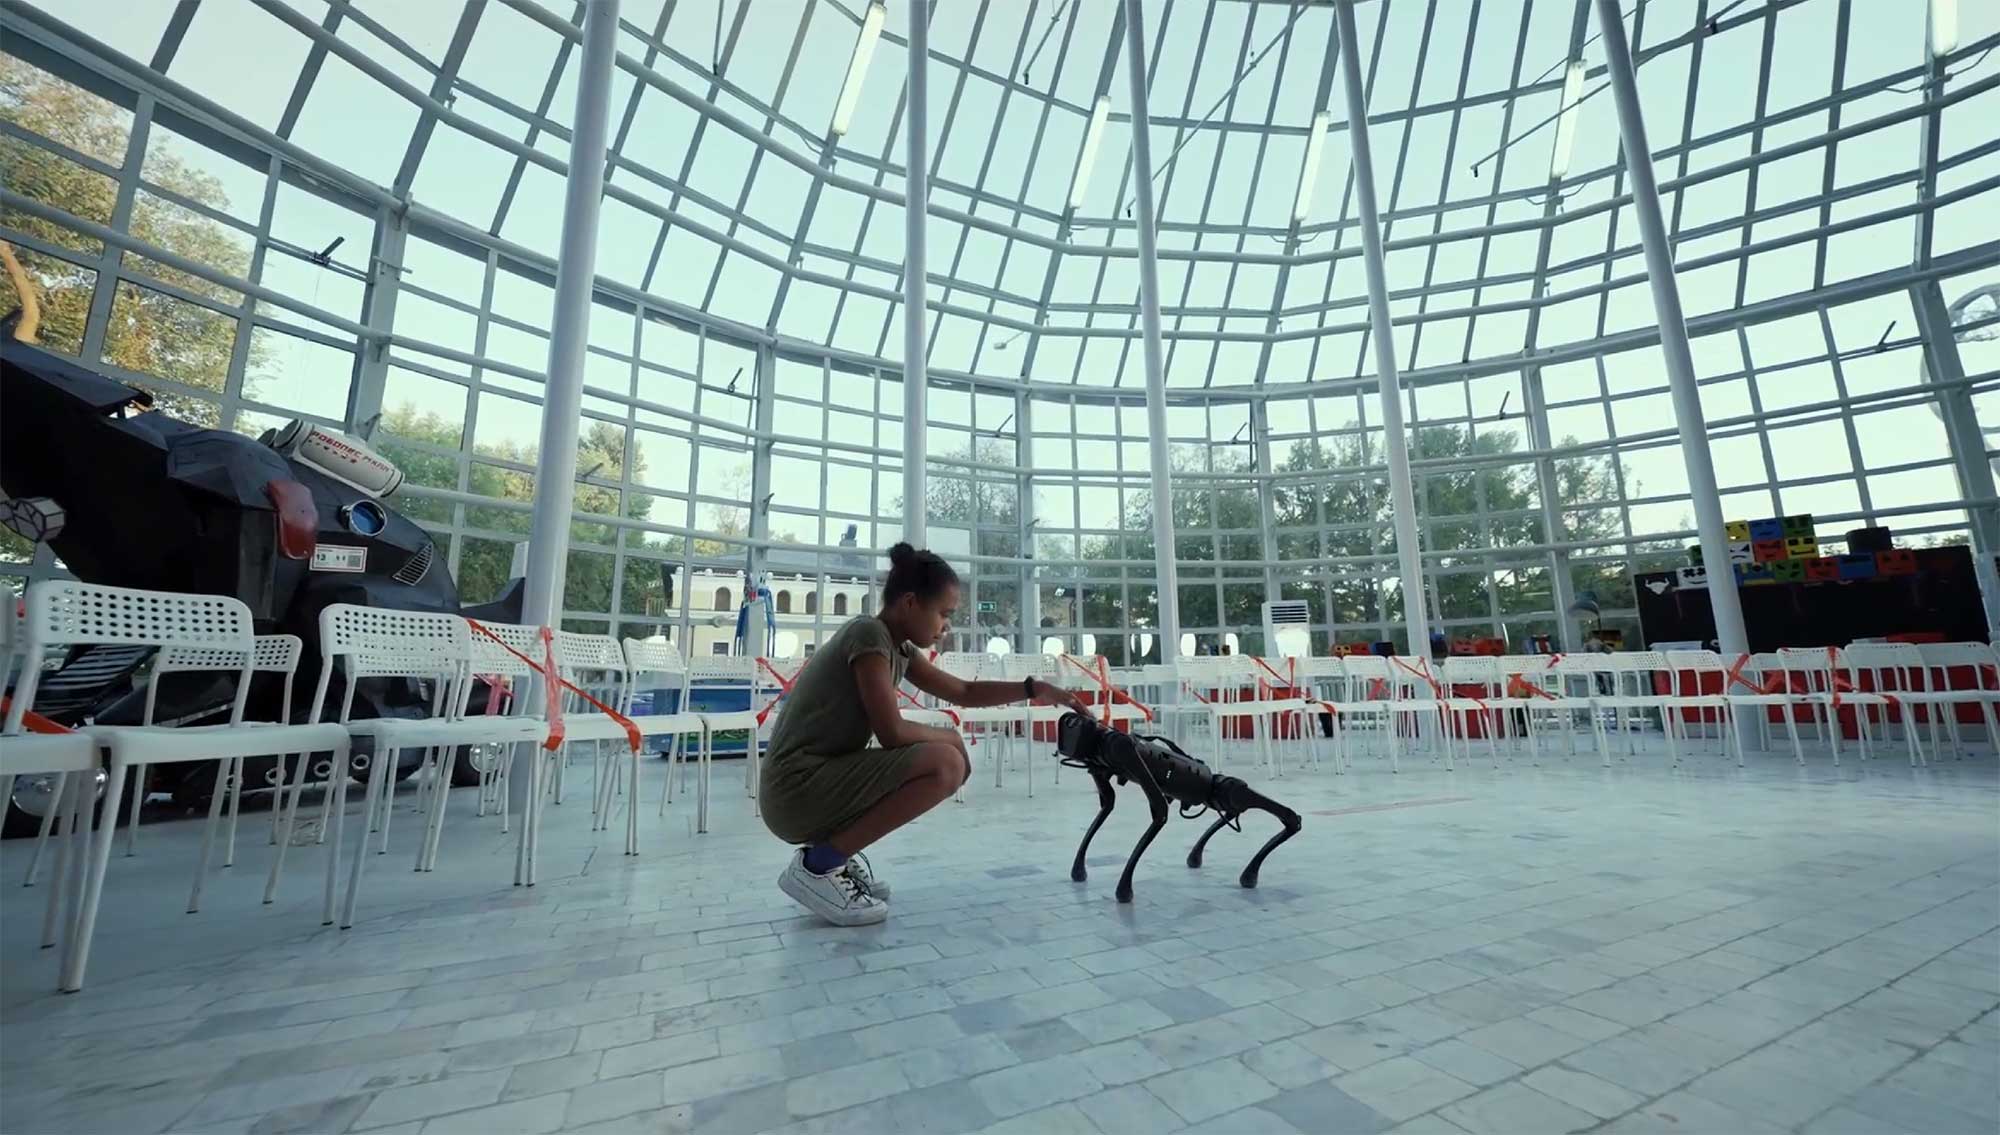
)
(1635, 670)
(1690, 667)
(62, 612)
(376, 642)
(1815, 666)
(643, 656)
(596, 663)
(489, 659)
(1941, 658)
(1465, 670)
(1890, 666)
(1367, 678)
(1412, 677)
(961, 664)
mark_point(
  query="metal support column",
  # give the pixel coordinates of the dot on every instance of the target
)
(562, 394)
(1547, 486)
(378, 311)
(763, 413)
(1149, 322)
(1024, 511)
(1707, 501)
(1402, 492)
(1264, 464)
(916, 205)
(1968, 445)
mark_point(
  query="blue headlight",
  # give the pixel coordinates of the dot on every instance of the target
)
(364, 518)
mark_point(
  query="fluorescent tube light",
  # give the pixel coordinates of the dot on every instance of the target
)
(1309, 172)
(857, 67)
(1566, 121)
(1944, 28)
(1093, 137)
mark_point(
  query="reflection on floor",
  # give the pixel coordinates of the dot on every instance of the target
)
(1512, 949)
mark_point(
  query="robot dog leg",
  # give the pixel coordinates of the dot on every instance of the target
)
(1107, 798)
(1243, 798)
(1164, 773)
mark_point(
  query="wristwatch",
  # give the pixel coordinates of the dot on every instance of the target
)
(1028, 687)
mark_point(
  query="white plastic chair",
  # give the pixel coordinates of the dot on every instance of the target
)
(1047, 667)
(581, 656)
(1360, 694)
(273, 654)
(1272, 706)
(1828, 687)
(1633, 696)
(65, 752)
(1416, 701)
(1941, 659)
(1195, 686)
(730, 673)
(644, 657)
(367, 643)
(65, 613)
(1897, 686)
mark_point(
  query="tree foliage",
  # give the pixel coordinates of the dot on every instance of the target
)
(424, 443)
(149, 332)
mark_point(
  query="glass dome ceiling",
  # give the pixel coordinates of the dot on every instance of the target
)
(356, 204)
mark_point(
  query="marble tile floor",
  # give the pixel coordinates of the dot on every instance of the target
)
(1493, 950)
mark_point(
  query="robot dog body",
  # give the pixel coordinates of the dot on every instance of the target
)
(1164, 773)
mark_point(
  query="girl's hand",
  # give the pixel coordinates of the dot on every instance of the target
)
(1047, 694)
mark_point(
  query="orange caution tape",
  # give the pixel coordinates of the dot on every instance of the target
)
(34, 722)
(553, 682)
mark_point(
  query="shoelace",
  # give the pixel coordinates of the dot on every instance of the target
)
(860, 873)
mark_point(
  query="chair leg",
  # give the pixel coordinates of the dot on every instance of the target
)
(701, 781)
(336, 806)
(291, 815)
(427, 847)
(632, 807)
(380, 780)
(140, 774)
(235, 811)
(62, 802)
(208, 837)
(48, 826)
(77, 951)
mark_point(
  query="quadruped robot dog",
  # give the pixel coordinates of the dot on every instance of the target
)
(1163, 772)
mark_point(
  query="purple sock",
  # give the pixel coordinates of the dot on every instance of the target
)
(822, 858)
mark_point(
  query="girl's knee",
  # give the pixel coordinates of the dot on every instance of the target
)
(943, 762)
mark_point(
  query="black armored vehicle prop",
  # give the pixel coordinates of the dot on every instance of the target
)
(290, 522)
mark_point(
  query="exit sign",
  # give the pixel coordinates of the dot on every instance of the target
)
(987, 606)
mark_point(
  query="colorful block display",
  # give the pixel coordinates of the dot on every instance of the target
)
(1769, 529)
(1857, 566)
(1821, 569)
(1749, 575)
(1736, 530)
(1691, 577)
(1767, 551)
(1788, 571)
(1895, 561)
(1741, 553)
(1800, 525)
(1801, 547)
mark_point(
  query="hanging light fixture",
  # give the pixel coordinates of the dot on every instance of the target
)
(1944, 28)
(1566, 121)
(1093, 137)
(1309, 172)
(857, 67)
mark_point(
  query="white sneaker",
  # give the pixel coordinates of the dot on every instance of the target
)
(834, 896)
(864, 877)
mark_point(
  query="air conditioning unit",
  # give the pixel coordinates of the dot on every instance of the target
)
(1288, 628)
